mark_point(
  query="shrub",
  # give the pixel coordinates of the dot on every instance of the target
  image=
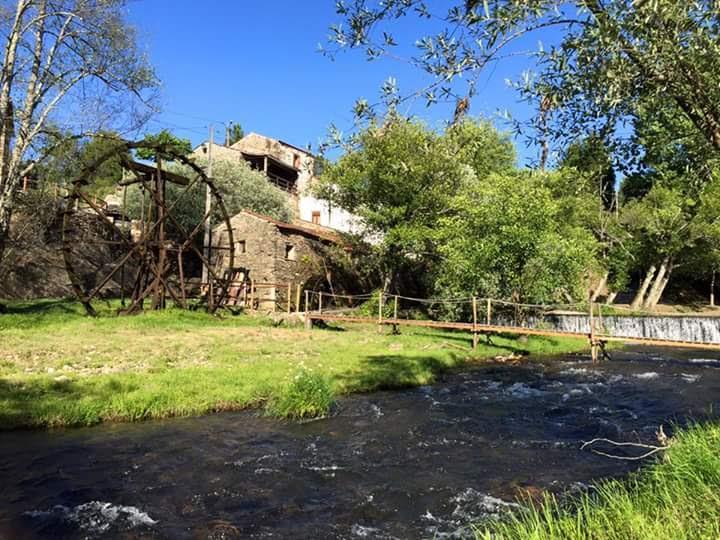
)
(308, 395)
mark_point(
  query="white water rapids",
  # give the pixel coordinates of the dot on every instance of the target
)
(675, 328)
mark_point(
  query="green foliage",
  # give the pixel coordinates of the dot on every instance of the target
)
(68, 157)
(235, 132)
(477, 144)
(660, 222)
(308, 395)
(371, 306)
(241, 187)
(399, 181)
(591, 158)
(609, 59)
(678, 497)
(166, 142)
(503, 239)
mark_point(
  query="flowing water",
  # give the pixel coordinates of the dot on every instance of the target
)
(702, 329)
(677, 328)
(423, 462)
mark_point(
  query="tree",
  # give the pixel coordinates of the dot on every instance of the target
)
(399, 179)
(612, 55)
(164, 139)
(706, 259)
(76, 54)
(396, 181)
(244, 188)
(660, 223)
(241, 187)
(666, 200)
(591, 158)
(234, 133)
(504, 238)
(68, 156)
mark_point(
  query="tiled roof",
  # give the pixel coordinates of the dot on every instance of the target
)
(313, 230)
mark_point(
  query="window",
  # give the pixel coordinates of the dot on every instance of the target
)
(296, 161)
(240, 246)
(290, 253)
(316, 217)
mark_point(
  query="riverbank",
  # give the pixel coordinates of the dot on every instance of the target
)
(60, 368)
(678, 497)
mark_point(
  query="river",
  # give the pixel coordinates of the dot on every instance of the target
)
(423, 462)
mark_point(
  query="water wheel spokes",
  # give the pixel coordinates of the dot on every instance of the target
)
(151, 257)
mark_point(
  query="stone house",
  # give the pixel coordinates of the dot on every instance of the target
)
(273, 253)
(292, 169)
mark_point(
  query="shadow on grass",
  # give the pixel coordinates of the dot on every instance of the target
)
(42, 307)
(47, 402)
(330, 327)
(387, 372)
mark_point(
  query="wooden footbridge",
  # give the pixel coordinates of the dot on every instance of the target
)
(325, 309)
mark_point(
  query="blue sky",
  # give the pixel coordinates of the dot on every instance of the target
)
(257, 63)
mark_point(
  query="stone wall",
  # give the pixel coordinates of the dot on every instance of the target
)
(271, 254)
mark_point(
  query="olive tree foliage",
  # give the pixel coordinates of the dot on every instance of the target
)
(612, 55)
(398, 180)
(506, 238)
(241, 188)
(73, 63)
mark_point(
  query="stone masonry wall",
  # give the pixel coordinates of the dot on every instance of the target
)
(270, 254)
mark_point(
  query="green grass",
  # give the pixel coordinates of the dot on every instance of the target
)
(61, 368)
(676, 498)
(308, 395)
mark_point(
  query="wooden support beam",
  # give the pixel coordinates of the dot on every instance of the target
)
(289, 299)
(308, 319)
(396, 328)
(475, 333)
(380, 312)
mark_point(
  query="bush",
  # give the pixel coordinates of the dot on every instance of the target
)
(308, 395)
(369, 308)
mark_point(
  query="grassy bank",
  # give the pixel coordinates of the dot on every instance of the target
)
(58, 367)
(678, 498)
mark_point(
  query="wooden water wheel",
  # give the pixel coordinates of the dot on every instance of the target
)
(154, 256)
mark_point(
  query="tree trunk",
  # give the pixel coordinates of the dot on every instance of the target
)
(600, 287)
(640, 295)
(5, 214)
(611, 298)
(658, 287)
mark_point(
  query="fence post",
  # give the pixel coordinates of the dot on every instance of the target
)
(475, 334)
(489, 311)
(289, 298)
(396, 328)
(297, 297)
(593, 345)
(308, 320)
(380, 311)
(320, 303)
(252, 294)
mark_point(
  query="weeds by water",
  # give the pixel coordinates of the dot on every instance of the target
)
(307, 395)
(678, 498)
